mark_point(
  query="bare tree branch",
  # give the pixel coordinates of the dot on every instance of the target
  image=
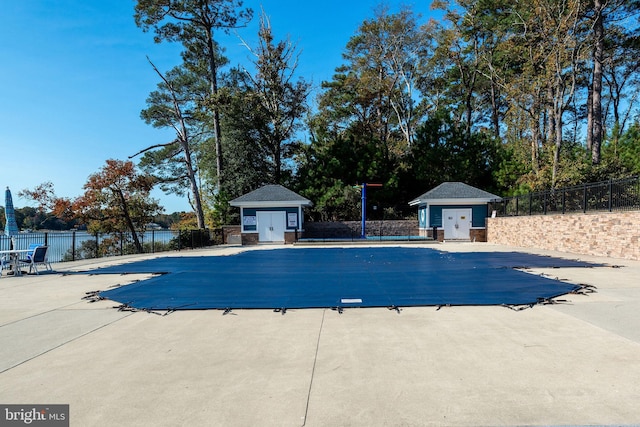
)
(152, 147)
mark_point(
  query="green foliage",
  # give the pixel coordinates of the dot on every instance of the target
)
(223, 213)
(512, 171)
(34, 219)
(246, 160)
(627, 150)
(445, 151)
(88, 249)
(495, 94)
(191, 239)
(332, 164)
(177, 104)
(167, 220)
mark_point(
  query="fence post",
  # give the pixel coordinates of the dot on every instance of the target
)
(564, 200)
(97, 247)
(153, 241)
(584, 199)
(46, 238)
(530, 204)
(544, 202)
(73, 246)
(610, 195)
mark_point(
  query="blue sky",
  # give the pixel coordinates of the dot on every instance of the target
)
(74, 78)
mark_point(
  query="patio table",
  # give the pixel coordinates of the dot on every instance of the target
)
(14, 255)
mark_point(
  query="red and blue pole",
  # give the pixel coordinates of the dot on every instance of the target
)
(364, 210)
(363, 190)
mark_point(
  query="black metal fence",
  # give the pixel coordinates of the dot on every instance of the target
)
(76, 245)
(612, 195)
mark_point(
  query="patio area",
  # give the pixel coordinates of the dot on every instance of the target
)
(571, 363)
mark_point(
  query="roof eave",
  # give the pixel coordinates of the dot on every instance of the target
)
(269, 204)
(453, 201)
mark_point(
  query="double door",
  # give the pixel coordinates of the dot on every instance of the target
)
(271, 226)
(456, 223)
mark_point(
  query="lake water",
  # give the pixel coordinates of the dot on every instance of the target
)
(61, 243)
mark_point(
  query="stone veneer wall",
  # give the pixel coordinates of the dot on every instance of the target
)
(612, 234)
(231, 234)
(352, 229)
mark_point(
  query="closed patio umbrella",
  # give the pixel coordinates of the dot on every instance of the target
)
(10, 227)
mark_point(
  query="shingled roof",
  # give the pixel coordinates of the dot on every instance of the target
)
(454, 190)
(270, 194)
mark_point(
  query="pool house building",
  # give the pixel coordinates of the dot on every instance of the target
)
(270, 214)
(455, 211)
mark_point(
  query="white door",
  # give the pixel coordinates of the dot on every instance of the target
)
(456, 223)
(271, 226)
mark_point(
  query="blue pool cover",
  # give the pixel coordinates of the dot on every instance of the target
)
(338, 278)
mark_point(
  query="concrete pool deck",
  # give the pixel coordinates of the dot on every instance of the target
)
(572, 363)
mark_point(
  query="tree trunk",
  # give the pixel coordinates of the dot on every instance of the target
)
(495, 118)
(213, 81)
(590, 118)
(535, 139)
(129, 222)
(195, 191)
(558, 144)
(596, 91)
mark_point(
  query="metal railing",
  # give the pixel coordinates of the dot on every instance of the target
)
(76, 245)
(612, 195)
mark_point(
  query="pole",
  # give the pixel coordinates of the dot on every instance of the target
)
(364, 210)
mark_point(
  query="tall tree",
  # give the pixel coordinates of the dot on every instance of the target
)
(612, 27)
(279, 99)
(193, 23)
(176, 105)
(594, 107)
(457, 60)
(445, 151)
(117, 198)
(404, 43)
(621, 83)
(383, 57)
(543, 44)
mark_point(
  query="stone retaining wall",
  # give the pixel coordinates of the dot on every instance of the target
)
(337, 230)
(352, 229)
(612, 234)
(231, 234)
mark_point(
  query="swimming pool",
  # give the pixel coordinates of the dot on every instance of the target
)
(339, 278)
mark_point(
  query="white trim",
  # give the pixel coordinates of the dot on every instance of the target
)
(271, 204)
(451, 202)
(300, 218)
(266, 208)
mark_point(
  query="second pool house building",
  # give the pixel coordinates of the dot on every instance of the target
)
(454, 211)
